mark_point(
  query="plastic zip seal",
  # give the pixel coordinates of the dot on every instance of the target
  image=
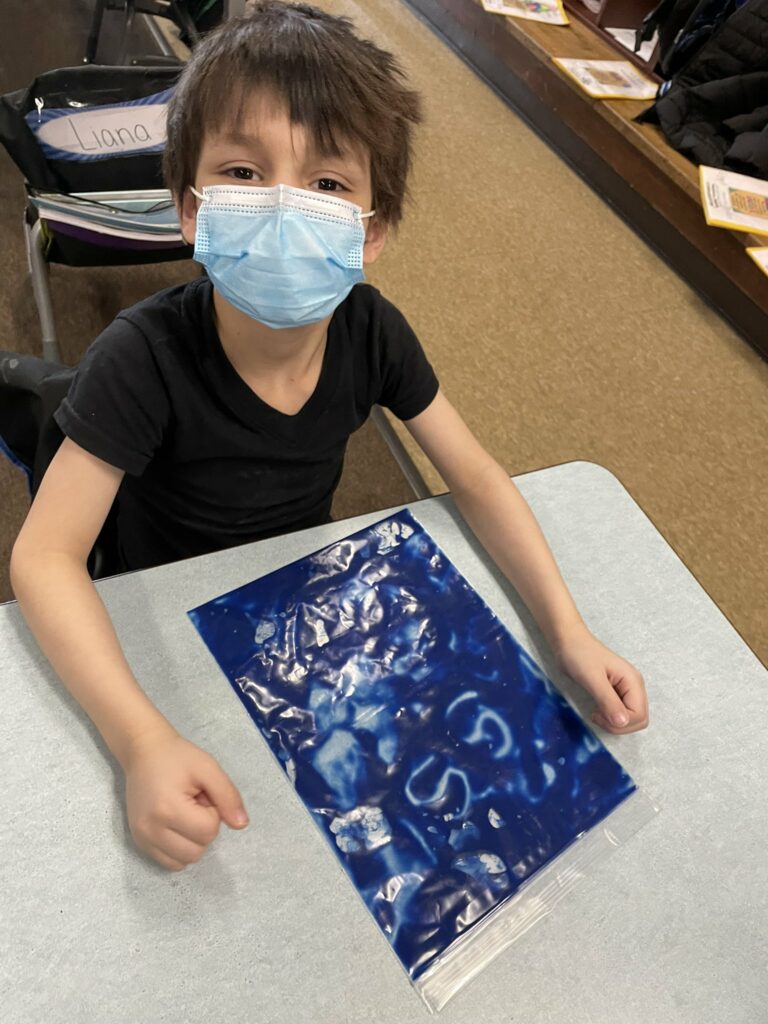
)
(537, 898)
(462, 795)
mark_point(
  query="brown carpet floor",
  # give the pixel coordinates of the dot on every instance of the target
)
(554, 329)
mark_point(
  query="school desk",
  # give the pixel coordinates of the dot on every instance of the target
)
(672, 927)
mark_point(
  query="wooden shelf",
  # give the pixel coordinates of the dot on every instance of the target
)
(629, 165)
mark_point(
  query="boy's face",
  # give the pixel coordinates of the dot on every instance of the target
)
(265, 149)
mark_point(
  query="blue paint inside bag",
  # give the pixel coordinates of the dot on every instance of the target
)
(441, 764)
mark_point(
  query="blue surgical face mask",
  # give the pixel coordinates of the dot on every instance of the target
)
(284, 256)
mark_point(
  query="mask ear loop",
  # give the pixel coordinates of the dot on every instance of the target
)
(365, 216)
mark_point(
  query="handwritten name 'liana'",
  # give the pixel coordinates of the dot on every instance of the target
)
(110, 138)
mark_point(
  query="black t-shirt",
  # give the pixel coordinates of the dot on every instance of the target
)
(208, 464)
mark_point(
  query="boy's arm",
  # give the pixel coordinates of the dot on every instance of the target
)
(506, 527)
(168, 781)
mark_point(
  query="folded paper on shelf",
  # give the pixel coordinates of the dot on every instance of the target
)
(734, 201)
(609, 79)
(550, 12)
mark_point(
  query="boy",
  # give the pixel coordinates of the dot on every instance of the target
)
(218, 412)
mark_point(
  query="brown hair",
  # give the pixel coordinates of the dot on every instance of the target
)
(335, 84)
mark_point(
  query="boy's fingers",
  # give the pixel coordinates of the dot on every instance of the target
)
(177, 848)
(635, 726)
(163, 859)
(631, 689)
(196, 821)
(638, 700)
(609, 705)
(223, 794)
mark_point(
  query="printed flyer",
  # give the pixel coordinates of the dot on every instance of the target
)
(609, 79)
(734, 201)
(550, 11)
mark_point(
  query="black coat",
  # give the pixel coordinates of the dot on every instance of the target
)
(715, 110)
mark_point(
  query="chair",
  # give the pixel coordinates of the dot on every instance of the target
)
(31, 390)
(74, 134)
(176, 11)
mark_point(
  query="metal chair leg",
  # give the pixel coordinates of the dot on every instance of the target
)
(183, 19)
(93, 39)
(38, 270)
(399, 453)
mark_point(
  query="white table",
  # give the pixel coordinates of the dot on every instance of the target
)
(671, 928)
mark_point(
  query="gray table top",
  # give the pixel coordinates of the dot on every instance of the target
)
(671, 928)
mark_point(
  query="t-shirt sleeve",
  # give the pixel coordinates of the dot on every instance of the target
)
(117, 406)
(408, 382)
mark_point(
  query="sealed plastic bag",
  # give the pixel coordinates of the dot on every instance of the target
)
(458, 789)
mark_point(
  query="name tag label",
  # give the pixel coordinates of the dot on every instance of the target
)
(98, 133)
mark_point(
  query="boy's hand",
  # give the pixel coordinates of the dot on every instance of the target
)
(176, 797)
(618, 688)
